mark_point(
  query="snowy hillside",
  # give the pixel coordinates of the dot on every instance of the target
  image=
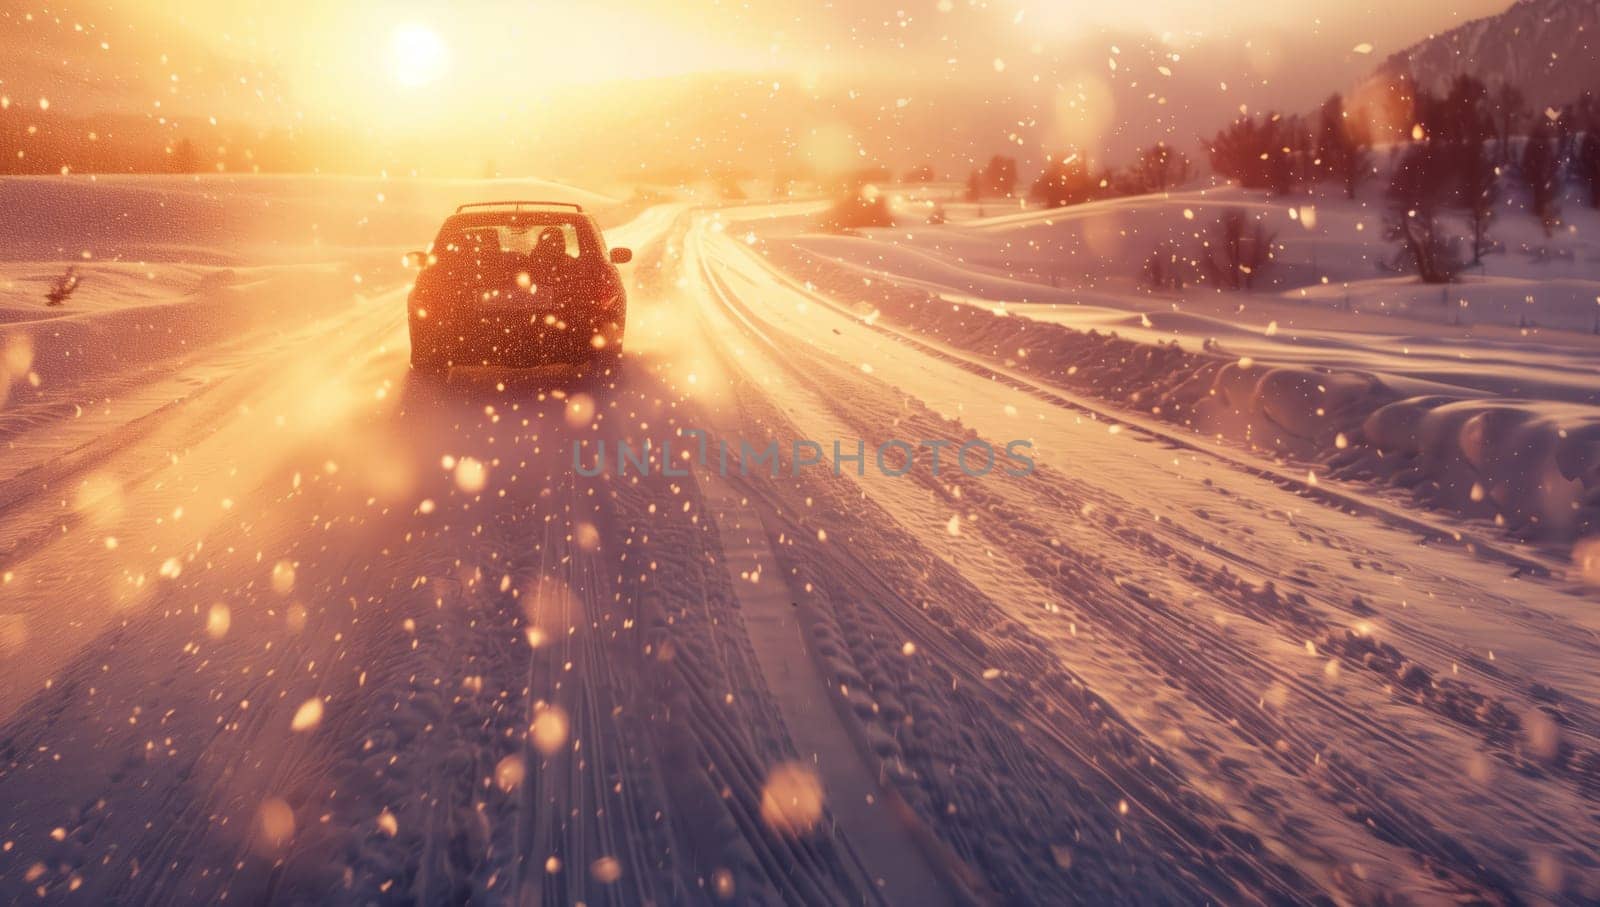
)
(1548, 48)
(1479, 397)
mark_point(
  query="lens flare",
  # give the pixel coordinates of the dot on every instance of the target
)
(417, 55)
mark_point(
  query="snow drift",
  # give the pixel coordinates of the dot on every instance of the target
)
(1533, 467)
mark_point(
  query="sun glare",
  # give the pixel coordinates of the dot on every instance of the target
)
(417, 55)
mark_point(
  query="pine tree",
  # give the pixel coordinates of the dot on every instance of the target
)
(1342, 146)
(1480, 191)
(1587, 162)
(1541, 173)
(1508, 107)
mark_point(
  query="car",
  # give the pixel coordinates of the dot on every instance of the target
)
(517, 283)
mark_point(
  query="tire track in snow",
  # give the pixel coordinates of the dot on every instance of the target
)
(1461, 703)
(1329, 494)
(973, 676)
(1241, 705)
(869, 819)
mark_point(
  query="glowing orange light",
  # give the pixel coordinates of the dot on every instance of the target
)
(417, 55)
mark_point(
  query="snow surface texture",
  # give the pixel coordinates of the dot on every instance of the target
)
(281, 622)
(1363, 376)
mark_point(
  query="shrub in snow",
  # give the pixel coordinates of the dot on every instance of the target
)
(63, 287)
(857, 210)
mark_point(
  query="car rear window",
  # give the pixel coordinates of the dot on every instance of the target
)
(517, 235)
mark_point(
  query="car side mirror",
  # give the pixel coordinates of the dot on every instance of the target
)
(418, 260)
(621, 256)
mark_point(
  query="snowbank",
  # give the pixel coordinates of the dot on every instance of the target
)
(1532, 466)
(1530, 469)
(126, 322)
(1329, 254)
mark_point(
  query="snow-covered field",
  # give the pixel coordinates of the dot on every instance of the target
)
(1481, 397)
(280, 622)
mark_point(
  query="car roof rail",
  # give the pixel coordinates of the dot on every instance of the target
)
(519, 205)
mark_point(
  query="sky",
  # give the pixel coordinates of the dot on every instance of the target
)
(508, 73)
(314, 45)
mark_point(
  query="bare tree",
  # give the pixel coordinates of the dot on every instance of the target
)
(1161, 167)
(1163, 270)
(1238, 250)
(1416, 192)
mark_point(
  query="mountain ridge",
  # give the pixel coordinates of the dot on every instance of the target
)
(1550, 49)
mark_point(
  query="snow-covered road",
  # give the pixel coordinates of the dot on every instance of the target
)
(290, 624)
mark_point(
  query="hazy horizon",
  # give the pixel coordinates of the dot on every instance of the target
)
(644, 84)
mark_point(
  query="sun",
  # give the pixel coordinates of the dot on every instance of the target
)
(417, 55)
